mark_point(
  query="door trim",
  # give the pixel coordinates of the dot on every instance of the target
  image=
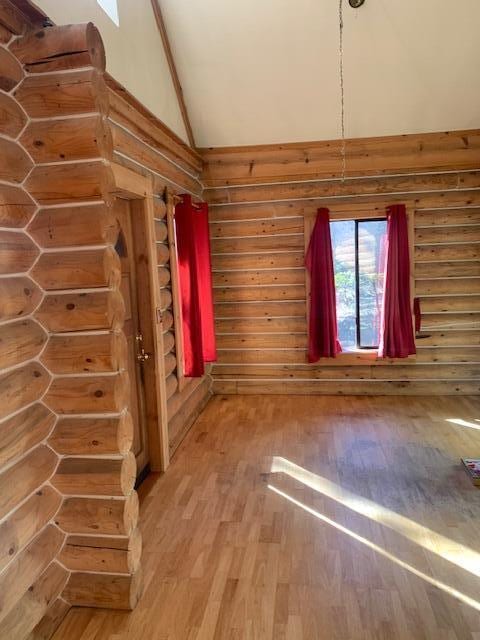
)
(139, 190)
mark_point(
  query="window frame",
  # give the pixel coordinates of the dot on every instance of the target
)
(357, 283)
(362, 211)
(171, 200)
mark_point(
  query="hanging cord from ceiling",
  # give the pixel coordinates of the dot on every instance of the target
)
(342, 90)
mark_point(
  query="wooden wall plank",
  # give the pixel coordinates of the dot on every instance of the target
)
(386, 155)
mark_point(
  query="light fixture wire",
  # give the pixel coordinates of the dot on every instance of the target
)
(342, 90)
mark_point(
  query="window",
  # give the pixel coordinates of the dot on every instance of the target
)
(358, 258)
(111, 9)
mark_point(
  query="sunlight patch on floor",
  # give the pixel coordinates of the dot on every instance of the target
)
(454, 552)
(464, 423)
(404, 565)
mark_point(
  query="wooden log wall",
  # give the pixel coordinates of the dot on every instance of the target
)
(141, 143)
(68, 510)
(259, 198)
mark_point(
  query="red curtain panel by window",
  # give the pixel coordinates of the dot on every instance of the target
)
(323, 333)
(397, 339)
(195, 276)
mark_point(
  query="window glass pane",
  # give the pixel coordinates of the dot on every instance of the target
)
(371, 258)
(111, 9)
(343, 245)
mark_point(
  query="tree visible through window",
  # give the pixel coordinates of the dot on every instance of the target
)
(358, 257)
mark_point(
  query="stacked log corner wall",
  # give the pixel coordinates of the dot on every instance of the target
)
(68, 511)
(259, 198)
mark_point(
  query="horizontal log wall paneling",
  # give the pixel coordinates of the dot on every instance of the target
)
(259, 197)
(142, 144)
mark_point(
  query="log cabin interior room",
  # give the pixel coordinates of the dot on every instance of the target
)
(239, 320)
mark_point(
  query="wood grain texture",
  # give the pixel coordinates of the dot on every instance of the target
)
(82, 311)
(74, 226)
(364, 156)
(57, 48)
(22, 386)
(101, 516)
(361, 186)
(68, 139)
(129, 112)
(102, 554)
(11, 71)
(85, 353)
(16, 163)
(17, 252)
(63, 94)
(88, 394)
(12, 18)
(93, 436)
(86, 269)
(20, 341)
(130, 146)
(12, 116)
(50, 622)
(16, 207)
(34, 604)
(27, 567)
(17, 485)
(23, 524)
(23, 431)
(263, 566)
(96, 476)
(104, 590)
(69, 183)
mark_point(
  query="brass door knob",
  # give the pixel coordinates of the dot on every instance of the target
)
(143, 355)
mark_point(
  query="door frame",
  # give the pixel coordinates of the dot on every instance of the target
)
(138, 189)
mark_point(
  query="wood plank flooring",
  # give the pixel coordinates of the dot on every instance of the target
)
(310, 518)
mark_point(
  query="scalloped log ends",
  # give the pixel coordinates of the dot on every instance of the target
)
(12, 116)
(74, 226)
(65, 477)
(63, 94)
(16, 207)
(11, 71)
(17, 252)
(102, 516)
(68, 139)
(16, 162)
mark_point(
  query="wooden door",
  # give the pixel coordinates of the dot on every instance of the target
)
(134, 331)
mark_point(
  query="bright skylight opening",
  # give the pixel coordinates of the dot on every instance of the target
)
(111, 9)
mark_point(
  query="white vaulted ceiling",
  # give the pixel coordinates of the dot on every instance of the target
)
(266, 71)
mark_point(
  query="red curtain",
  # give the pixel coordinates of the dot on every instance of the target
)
(194, 270)
(204, 274)
(323, 333)
(397, 338)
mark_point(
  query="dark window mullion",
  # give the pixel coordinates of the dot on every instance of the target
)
(357, 287)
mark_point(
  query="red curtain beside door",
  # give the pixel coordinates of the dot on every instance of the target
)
(204, 275)
(195, 276)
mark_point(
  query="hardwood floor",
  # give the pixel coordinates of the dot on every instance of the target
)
(313, 518)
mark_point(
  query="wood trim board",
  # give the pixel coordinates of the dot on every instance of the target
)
(139, 189)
